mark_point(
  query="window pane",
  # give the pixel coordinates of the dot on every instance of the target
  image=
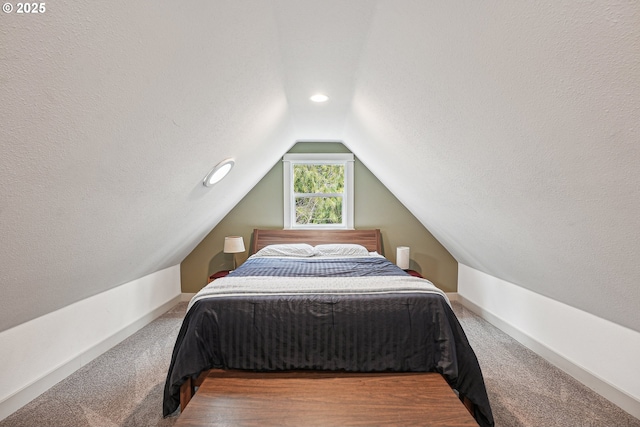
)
(318, 178)
(318, 210)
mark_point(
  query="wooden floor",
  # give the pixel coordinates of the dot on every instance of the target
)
(236, 398)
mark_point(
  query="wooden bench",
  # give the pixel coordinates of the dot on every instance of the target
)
(239, 398)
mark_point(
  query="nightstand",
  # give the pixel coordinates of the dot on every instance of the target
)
(414, 273)
(218, 275)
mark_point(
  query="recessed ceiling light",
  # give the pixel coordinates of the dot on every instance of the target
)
(318, 97)
(218, 172)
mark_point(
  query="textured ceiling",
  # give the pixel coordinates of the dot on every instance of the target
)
(509, 129)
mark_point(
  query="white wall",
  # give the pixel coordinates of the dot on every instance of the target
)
(601, 354)
(37, 354)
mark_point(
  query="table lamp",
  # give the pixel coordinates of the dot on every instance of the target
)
(233, 245)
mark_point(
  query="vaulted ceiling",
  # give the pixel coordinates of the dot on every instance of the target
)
(509, 129)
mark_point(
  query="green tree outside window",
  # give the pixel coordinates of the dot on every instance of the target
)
(318, 193)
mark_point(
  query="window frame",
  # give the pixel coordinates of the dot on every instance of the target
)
(344, 159)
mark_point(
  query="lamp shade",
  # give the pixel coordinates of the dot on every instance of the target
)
(402, 257)
(233, 244)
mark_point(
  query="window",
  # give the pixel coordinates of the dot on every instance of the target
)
(318, 190)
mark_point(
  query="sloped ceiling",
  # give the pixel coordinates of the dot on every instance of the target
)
(510, 131)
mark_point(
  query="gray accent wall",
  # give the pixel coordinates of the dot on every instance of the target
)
(375, 207)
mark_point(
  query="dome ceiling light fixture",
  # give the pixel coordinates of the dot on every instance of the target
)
(319, 97)
(218, 172)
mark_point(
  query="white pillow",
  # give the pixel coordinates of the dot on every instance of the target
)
(284, 250)
(341, 249)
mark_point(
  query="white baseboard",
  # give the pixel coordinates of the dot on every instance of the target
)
(65, 359)
(453, 296)
(480, 287)
(186, 297)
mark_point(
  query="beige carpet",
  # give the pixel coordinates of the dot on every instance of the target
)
(526, 390)
(123, 387)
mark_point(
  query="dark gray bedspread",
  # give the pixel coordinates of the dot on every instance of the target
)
(364, 333)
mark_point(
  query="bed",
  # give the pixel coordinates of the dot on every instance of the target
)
(323, 300)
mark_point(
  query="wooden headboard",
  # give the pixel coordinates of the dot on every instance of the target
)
(370, 239)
